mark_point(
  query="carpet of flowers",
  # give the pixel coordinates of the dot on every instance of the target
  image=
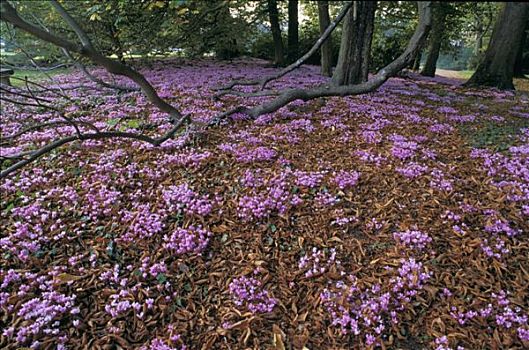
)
(343, 223)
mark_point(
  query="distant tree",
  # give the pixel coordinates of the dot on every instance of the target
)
(497, 67)
(293, 30)
(326, 49)
(355, 47)
(279, 50)
(439, 13)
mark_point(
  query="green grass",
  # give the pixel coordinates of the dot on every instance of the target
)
(465, 74)
(34, 75)
(496, 136)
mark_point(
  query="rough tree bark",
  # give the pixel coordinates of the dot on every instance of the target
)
(497, 67)
(326, 49)
(355, 47)
(436, 39)
(293, 31)
(279, 50)
(519, 66)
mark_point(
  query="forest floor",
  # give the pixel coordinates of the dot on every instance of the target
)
(397, 219)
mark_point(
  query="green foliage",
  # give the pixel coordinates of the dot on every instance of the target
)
(142, 30)
(394, 25)
(493, 135)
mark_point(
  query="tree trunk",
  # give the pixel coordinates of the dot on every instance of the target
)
(519, 63)
(355, 47)
(497, 67)
(293, 31)
(436, 39)
(326, 48)
(417, 62)
(479, 36)
(279, 50)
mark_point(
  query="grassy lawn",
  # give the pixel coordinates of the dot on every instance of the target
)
(35, 75)
(465, 74)
(519, 84)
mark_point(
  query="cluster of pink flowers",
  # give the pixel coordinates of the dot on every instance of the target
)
(404, 149)
(414, 239)
(462, 118)
(42, 307)
(308, 179)
(153, 270)
(371, 136)
(325, 199)
(142, 222)
(159, 344)
(442, 344)
(440, 181)
(29, 233)
(365, 311)
(188, 158)
(187, 240)
(246, 154)
(183, 198)
(500, 313)
(249, 292)
(274, 195)
(370, 157)
(318, 262)
(346, 179)
(441, 128)
(412, 170)
(342, 219)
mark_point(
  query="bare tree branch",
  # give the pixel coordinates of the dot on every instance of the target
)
(44, 88)
(21, 94)
(415, 43)
(262, 82)
(9, 14)
(46, 125)
(92, 136)
(77, 63)
(95, 79)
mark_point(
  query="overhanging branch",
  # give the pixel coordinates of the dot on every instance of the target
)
(321, 40)
(10, 15)
(415, 43)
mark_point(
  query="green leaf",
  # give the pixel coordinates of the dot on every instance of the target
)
(161, 278)
(273, 228)
(10, 207)
(112, 122)
(76, 171)
(134, 123)
(110, 248)
(178, 302)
